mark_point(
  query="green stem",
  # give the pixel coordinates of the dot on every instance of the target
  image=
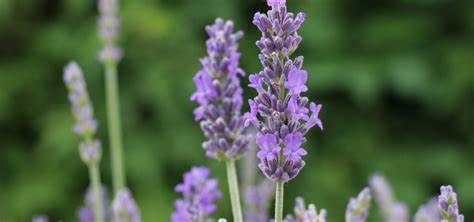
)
(94, 175)
(234, 190)
(279, 201)
(114, 125)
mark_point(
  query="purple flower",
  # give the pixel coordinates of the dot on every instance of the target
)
(391, 210)
(280, 109)
(86, 212)
(219, 94)
(428, 212)
(40, 218)
(90, 152)
(358, 208)
(199, 193)
(109, 24)
(448, 205)
(124, 207)
(303, 214)
(257, 201)
(81, 105)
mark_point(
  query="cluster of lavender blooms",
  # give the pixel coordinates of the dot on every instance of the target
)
(109, 24)
(86, 125)
(303, 214)
(257, 200)
(358, 208)
(124, 207)
(219, 94)
(285, 117)
(198, 195)
(428, 212)
(392, 210)
(86, 213)
(448, 204)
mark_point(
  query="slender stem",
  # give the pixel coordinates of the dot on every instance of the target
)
(279, 201)
(115, 126)
(234, 190)
(94, 175)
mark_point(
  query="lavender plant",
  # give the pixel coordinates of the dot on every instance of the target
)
(86, 213)
(90, 148)
(303, 214)
(392, 210)
(40, 218)
(448, 205)
(428, 212)
(358, 208)
(199, 193)
(110, 55)
(124, 207)
(283, 110)
(219, 96)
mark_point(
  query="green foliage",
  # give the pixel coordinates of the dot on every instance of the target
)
(396, 79)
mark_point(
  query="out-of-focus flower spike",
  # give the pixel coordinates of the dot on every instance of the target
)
(358, 208)
(124, 207)
(86, 212)
(448, 205)
(40, 218)
(428, 212)
(391, 210)
(303, 214)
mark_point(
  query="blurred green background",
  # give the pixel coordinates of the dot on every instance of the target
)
(396, 78)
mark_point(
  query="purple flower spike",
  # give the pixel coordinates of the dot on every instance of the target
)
(303, 214)
(428, 212)
(86, 212)
(257, 200)
(109, 24)
(280, 109)
(81, 105)
(358, 208)
(40, 218)
(392, 210)
(90, 153)
(124, 207)
(219, 94)
(448, 205)
(199, 193)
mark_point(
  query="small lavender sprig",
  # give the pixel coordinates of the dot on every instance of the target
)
(40, 218)
(358, 208)
(448, 205)
(257, 201)
(110, 55)
(86, 212)
(219, 96)
(199, 193)
(303, 214)
(392, 210)
(428, 212)
(90, 149)
(124, 207)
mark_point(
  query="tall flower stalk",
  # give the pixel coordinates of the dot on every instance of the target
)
(86, 126)
(110, 55)
(219, 95)
(284, 115)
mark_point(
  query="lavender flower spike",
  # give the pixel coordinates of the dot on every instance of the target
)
(86, 212)
(109, 24)
(358, 208)
(280, 112)
(40, 218)
(448, 205)
(124, 207)
(86, 125)
(257, 201)
(199, 192)
(303, 214)
(392, 210)
(428, 212)
(219, 94)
